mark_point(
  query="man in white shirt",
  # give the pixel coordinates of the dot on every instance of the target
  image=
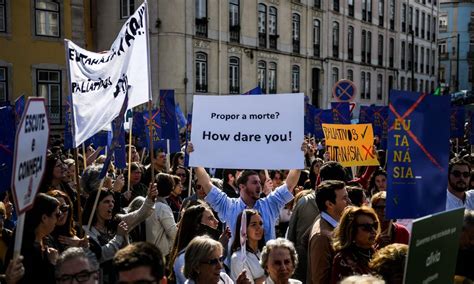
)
(458, 194)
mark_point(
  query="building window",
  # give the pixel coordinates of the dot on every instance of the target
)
(335, 5)
(402, 56)
(380, 50)
(201, 18)
(367, 85)
(392, 15)
(317, 4)
(369, 47)
(350, 74)
(201, 72)
(234, 75)
(379, 86)
(428, 27)
(362, 85)
(427, 61)
(422, 59)
(363, 48)
(262, 76)
(272, 78)
(415, 60)
(381, 11)
(317, 38)
(364, 10)
(295, 79)
(404, 17)
(127, 7)
(402, 83)
(391, 51)
(262, 25)
(410, 59)
(335, 75)
(296, 33)
(3, 16)
(417, 21)
(48, 86)
(410, 19)
(3, 85)
(335, 39)
(433, 30)
(272, 27)
(350, 43)
(423, 25)
(234, 20)
(350, 5)
(47, 18)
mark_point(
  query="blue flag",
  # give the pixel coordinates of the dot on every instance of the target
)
(180, 117)
(68, 127)
(117, 129)
(366, 114)
(169, 124)
(158, 142)
(309, 119)
(188, 136)
(341, 113)
(417, 154)
(380, 124)
(457, 121)
(321, 116)
(7, 144)
(19, 108)
(254, 91)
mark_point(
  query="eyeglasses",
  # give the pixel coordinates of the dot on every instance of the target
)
(214, 261)
(80, 277)
(369, 227)
(64, 208)
(458, 174)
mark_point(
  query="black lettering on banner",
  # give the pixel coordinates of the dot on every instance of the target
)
(35, 122)
(344, 153)
(30, 168)
(89, 85)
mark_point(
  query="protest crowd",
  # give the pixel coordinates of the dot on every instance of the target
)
(322, 224)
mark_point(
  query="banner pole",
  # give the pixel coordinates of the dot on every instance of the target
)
(129, 153)
(143, 155)
(19, 235)
(84, 156)
(78, 187)
(168, 163)
(96, 201)
(150, 98)
(190, 181)
(152, 154)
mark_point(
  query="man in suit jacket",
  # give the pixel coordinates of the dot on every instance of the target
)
(331, 198)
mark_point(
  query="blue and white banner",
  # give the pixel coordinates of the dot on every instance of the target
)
(417, 154)
(99, 81)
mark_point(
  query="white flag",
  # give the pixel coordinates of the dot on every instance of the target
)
(99, 80)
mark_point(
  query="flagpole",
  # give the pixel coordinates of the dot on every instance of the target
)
(150, 93)
(168, 155)
(190, 181)
(84, 155)
(129, 152)
(96, 201)
(78, 187)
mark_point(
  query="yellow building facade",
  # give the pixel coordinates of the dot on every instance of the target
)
(32, 54)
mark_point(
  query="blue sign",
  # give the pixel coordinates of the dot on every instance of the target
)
(344, 91)
(417, 154)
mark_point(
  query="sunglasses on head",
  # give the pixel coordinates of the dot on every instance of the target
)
(369, 227)
(214, 261)
(459, 173)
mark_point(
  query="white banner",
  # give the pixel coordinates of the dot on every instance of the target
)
(248, 132)
(99, 81)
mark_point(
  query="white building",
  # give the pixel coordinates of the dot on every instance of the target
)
(231, 46)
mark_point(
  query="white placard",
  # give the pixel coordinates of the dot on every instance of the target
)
(248, 132)
(31, 145)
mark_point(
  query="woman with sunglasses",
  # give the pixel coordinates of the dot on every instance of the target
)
(39, 259)
(64, 234)
(254, 243)
(391, 232)
(197, 220)
(204, 263)
(354, 240)
(174, 199)
(183, 173)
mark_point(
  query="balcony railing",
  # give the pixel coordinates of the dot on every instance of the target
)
(234, 33)
(296, 46)
(262, 40)
(273, 41)
(201, 88)
(201, 27)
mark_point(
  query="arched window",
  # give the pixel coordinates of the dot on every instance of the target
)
(234, 75)
(335, 39)
(296, 33)
(201, 72)
(272, 78)
(295, 79)
(317, 38)
(262, 75)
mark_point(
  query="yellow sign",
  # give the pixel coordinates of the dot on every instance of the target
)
(350, 144)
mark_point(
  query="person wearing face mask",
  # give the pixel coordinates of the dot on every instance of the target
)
(354, 241)
(279, 259)
(197, 220)
(248, 257)
(109, 233)
(458, 193)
